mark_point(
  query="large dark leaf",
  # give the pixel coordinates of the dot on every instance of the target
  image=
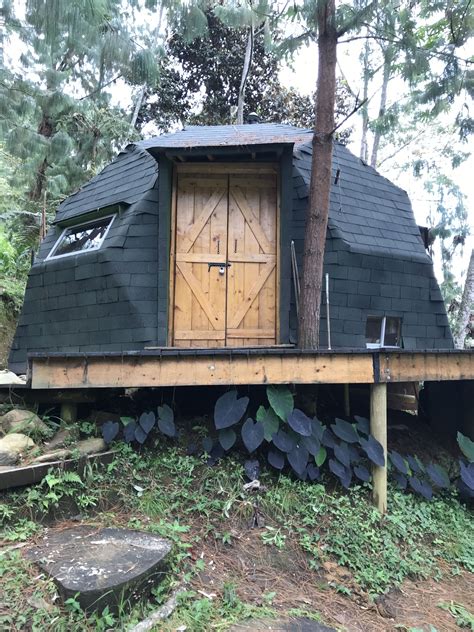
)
(252, 469)
(215, 454)
(300, 423)
(341, 452)
(317, 428)
(140, 434)
(311, 444)
(229, 410)
(276, 458)
(281, 400)
(354, 453)
(421, 487)
(328, 439)
(166, 421)
(147, 421)
(466, 446)
(207, 444)
(465, 491)
(270, 421)
(467, 474)
(438, 476)
(363, 424)
(298, 459)
(345, 431)
(362, 473)
(110, 430)
(374, 450)
(129, 432)
(227, 438)
(399, 462)
(343, 473)
(400, 480)
(252, 434)
(313, 472)
(283, 441)
(415, 464)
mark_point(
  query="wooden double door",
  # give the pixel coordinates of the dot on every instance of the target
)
(224, 256)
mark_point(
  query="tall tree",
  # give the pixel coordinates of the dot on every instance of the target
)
(320, 184)
(466, 307)
(54, 108)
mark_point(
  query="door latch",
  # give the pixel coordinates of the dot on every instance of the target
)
(221, 266)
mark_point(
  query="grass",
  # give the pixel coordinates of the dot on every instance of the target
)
(332, 540)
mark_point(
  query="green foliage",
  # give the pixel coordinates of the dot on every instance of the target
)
(462, 616)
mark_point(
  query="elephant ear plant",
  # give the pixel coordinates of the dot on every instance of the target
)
(288, 439)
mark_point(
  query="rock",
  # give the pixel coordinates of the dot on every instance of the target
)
(57, 455)
(298, 624)
(90, 446)
(62, 438)
(102, 567)
(7, 378)
(12, 446)
(23, 421)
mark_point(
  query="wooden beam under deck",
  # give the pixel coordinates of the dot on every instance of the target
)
(221, 367)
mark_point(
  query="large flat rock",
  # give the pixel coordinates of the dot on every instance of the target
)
(102, 567)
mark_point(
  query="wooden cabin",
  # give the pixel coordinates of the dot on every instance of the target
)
(194, 240)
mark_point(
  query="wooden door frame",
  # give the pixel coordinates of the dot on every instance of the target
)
(229, 168)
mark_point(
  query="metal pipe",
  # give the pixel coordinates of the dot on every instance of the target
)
(327, 311)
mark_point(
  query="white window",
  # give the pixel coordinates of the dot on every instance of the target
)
(382, 331)
(82, 238)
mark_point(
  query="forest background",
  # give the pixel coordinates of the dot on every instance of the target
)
(79, 80)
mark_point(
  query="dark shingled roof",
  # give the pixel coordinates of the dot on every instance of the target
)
(125, 180)
(370, 213)
(228, 136)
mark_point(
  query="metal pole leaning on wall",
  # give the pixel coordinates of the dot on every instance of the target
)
(327, 311)
(378, 428)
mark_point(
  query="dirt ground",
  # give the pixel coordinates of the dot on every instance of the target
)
(256, 570)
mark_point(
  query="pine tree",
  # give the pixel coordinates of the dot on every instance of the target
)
(55, 113)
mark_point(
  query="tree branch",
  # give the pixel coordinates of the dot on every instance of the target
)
(355, 109)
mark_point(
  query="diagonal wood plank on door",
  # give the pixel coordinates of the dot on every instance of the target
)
(186, 241)
(251, 220)
(235, 320)
(216, 320)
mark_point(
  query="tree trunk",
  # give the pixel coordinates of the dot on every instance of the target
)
(321, 173)
(387, 71)
(45, 129)
(364, 148)
(467, 302)
(245, 74)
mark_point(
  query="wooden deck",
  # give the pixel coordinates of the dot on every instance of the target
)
(251, 366)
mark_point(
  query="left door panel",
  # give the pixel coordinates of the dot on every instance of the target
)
(199, 317)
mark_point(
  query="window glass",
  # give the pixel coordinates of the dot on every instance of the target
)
(382, 331)
(82, 238)
(373, 329)
(392, 332)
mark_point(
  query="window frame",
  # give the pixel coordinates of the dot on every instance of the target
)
(383, 323)
(51, 254)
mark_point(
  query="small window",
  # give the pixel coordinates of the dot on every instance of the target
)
(382, 331)
(82, 238)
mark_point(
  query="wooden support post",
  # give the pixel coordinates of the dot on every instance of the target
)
(68, 412)
(347, 401)
(378, 428)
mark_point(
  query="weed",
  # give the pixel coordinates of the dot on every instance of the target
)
(464, 618)
(273, 537)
